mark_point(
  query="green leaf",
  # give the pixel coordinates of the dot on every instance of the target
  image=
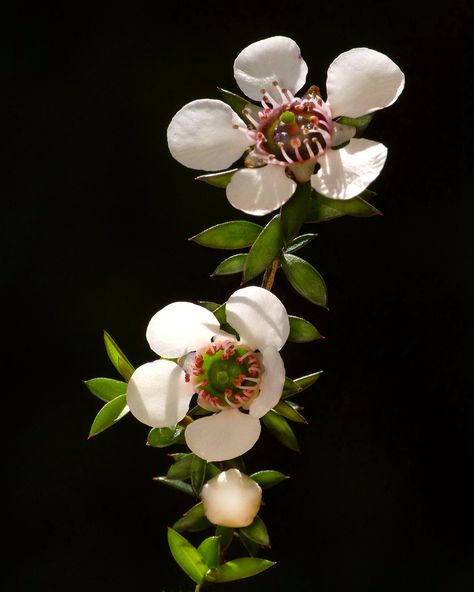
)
(265, 249)
(257, 532)
(288, 411)
(233, 264)
(228, 235)
(236, 463)
(305, 279)
(238, 104)
(323, 208)
(251, 547)
(217, 309)
(162, 437)
(281, 429)
(193, 520)
(198, 474)
(220, 180)
(289, 387)
(187, 556)
(294, 212)
(110, 414)
(212, 471)
(198, 411)
(360, 123)
(299, 242)
(268, 478)
(181, 469)
(106, 389)
(300, 384)
(176, 484)
(302, 331)
(238, 569)
(118, 358)
(225, 534)
(210, 550)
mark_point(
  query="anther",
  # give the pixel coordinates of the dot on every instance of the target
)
(253, 121)
(308, 148)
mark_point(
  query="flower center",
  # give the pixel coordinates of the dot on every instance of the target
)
(225, 374)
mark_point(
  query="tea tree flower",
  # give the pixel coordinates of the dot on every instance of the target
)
(231, 499)
(288, 139)
(237, 380)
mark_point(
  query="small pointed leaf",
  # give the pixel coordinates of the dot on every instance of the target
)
(229, 235)
(217, 309)
(281, 429)
(210, 549)
(233, 264)
(236, 463)
(301, 384)
(198, 474)
(193, 520)
(181, 469)
(251, 547)
(225, 534)
(106, 389)
(117, 357)
(265, 249)
(110, 414)
(295, 211)
(220, 180)
(211, 471)
(238, 569)
(268, 478)
(162, 437)
(299, 242)
(302, 331)
(187, 556)
(286, 410)
(176, 484)
(238, 104)
(357, 206)
(305, 279)
(257, 532)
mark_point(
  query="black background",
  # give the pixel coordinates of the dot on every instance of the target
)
(95, 235)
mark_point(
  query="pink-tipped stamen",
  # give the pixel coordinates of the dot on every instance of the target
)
(253, 121)
(308, 148)
(285, 155)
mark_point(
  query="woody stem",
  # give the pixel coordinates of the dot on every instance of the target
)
(270, 273)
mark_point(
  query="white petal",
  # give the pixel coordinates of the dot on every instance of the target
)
(231, 499)
(271, 385)
(361, 81)
(222, 436)
(158, 395)
(179, 328)
(346, 172)
(201, 135)
(260, 191)
(273, 59)
(259, 317)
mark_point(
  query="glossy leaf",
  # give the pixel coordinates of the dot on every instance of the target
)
(238, 569)
(176, 484)
(118, 358)
(193, 520)
(238, 104)
(181, 469)
(198, 474)
(289, 387)
(299, 242)
(236, 463)
(163, 437)
(250, 546)
(267, 478)
(323, 208)
(233, 264)
(217, 309)
(305, 279)
(265, 249)
(300, 384)
(360, 123)
(257, 532)
(187, 556)
(225, 534)
(110, 414)
(288, 411)
(302, 331)
(106, 389)
(281, 429)
(211, 471)
(210, 550)
(295, 211)
(228, 235)
(220, 180)
(198, 411)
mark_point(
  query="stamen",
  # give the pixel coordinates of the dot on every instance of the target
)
(296, 143)
(287, 94)
(308, 148)
(285, 155)
(253, 121)
(280, 90)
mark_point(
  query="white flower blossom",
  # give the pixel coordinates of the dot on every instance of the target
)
(239, 381)
(231, 499)
(289, 139)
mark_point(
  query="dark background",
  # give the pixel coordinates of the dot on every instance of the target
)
(95, 235)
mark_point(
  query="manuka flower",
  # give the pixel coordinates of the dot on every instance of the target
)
(289, 139)
(237, 380)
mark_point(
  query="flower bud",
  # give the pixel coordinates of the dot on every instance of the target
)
(231, 499)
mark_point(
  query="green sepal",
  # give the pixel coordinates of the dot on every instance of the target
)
(233, 264)
(257, 532)
(217, 309)
(109, 415)
(288, 411)
(210, 549)
(323, 208)
(267, 478)
(302, 331)
(225, 534)
(299, 242)
(281, 429)
(305, 279)
(163, 437)
(220, 180)
(118, 358)
(235, 234)
(181, 469)
(198, 474)
(265, 249)
(360, 123)
(294, 212)
(250, 546)
(176, 484)
(293, 387)
(194, 520)
(238, 104)
(187, 556)
(106, 389)
(238, 569)
(198, 411)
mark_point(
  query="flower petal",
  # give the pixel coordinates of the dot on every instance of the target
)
(201, 135)
(346, 172)
(222, 436)
(361, 81)
(260, 191)
(158, 395)
(271, 385)
(259, 317)
(179, 328)
(264, 62)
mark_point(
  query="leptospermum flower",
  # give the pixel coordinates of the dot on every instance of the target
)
(289, 139)
(231, 499)
(237, 380)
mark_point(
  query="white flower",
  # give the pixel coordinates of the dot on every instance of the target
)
(239, 381)
(231, 499)
(288, 136)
